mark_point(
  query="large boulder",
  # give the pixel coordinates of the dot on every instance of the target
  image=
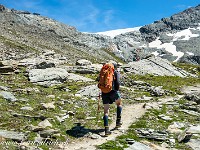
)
(155, 66)
(48, 76)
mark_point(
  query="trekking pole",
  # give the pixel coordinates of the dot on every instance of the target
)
(98, 109)
(99, 98)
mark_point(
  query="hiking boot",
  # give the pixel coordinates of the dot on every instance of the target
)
(107, 131)
(118, 124)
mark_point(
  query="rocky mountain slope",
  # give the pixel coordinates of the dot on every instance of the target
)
(175, 38)
(25, 34)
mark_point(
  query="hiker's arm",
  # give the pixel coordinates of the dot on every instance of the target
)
(98, 78)
(117, 80)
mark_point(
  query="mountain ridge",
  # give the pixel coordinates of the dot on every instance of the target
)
(126, 45)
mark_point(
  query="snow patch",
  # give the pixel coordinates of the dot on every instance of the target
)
(187, 34)
(155, 53)
(189, 53)
(170, 47)
(113, 33)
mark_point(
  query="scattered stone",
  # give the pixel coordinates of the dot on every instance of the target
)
(38, 139)
(48, 133)
(157, 91)
(184, 137)
(62, 119)
(176, 127)
(6, 69)
(35, 128)
(130, 141)
(83, 62)
(45, 124)
(51, 96)
(90, 118)
(195, 97)
(93, 136)
(44, 65)
(71, 113)
(194, 129)
(194, 144)
(27, 108)
(8, 96)
(27, 146)
(48, 105)
(144, 98)
(77, 95)
(191, 112)
(89, 91)
(164, 117)
(172, 141)
(164, 145)
(152, 134)
(28, 116)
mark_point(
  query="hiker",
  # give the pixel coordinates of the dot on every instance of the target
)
(109, 98)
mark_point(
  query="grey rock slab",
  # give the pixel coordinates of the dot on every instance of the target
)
(47, 133)
(45, 124)
(138, 146)
(89, 91)
(155, 66)
(4, 88)
(27, 108)
(191, 112)
(194, 129)
(184, 136)
(77, 78)
(191, 89)
(194, 144)
(48, 76)
(16, 136)
(83, 62)
(8, 96)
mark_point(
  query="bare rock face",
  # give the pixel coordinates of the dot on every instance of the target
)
(2, 8)
(155, 66)
(180, 21)
(48, 77)
(16, 136)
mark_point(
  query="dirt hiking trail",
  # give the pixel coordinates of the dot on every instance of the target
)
(130, 114)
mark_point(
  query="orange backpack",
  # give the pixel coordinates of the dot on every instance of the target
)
(106, 78)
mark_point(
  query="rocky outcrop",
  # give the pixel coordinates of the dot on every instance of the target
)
(2, 8)
(48, 77)
(127, 44)
(183, 20)
(155, 66)
(12, 135)
(190, 59)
